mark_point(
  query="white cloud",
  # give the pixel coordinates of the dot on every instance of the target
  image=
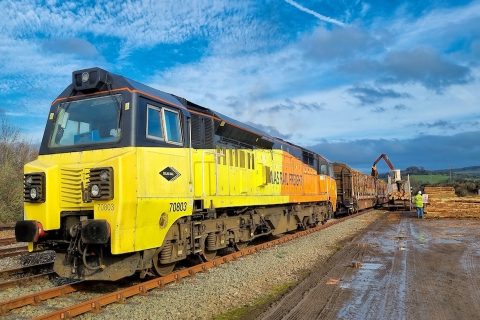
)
(315, 14)
(438, 27)
(136, 23)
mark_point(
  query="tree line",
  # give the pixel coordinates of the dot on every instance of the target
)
(15, 151)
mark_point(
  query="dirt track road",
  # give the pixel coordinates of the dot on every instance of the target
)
(406, 269)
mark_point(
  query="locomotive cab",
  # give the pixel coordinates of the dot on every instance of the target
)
(80, 195)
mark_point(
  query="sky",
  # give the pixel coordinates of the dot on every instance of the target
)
(348, 79)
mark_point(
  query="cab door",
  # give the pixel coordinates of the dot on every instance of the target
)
(164, 186)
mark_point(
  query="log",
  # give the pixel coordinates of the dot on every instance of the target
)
(443, 203)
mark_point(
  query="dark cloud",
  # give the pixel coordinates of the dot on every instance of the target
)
(439, 124)
(379, 109)
(75, 46)
(368, 95)
(339, 43)
(270, 130)
(290, 105)
(429, 151)
(424, 66)
(400, 107)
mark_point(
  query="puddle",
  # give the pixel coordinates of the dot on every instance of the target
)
(371, 266)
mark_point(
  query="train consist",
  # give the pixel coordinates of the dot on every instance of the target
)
(132, 179)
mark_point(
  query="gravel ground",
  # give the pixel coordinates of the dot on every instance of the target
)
(241, 282)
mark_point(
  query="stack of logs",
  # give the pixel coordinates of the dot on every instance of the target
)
(443, 203)
(399, 195)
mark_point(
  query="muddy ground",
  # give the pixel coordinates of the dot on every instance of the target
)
(399, 268)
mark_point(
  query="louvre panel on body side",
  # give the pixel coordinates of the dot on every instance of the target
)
(202, 132)
(71, 185)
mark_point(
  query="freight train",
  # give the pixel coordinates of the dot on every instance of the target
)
(130, 179)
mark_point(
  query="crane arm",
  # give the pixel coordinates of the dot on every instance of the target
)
(387, 161)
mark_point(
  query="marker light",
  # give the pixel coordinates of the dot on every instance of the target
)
(104, 175)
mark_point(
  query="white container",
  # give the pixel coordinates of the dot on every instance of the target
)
(396, 175)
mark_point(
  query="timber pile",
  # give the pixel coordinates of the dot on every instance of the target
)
(440, 192)
(399, 195)
(443, 203)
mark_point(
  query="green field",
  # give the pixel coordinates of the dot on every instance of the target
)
(429, 178)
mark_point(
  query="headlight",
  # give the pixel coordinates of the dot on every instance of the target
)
(33, 193)
(28, 180)
(104, 175)
(94, 190)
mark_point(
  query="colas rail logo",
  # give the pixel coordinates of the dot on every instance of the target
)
(170, 173)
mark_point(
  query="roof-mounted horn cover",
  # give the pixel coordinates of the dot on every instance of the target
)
(92, 79)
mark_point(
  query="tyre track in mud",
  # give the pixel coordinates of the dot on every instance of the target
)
(309, 300)
(410, 269)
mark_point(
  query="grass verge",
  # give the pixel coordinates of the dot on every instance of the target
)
(256, 307)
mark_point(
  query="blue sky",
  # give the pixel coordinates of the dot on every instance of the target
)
(350, 79)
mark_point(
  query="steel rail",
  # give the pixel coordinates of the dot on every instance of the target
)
(4, 227)
(7, 241)
(24, 269)
(38, 297)
(12, 251)
(14, 282)
(25, 274)
(120, 296)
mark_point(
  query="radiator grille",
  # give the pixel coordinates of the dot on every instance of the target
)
(71, 181)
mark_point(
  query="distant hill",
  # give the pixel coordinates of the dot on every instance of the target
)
(466, 172)
(471, 171)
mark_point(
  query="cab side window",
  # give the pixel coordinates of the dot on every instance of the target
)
(323, 169)
(330, 171)
(154, 123)
(172, 126)
(163, 124)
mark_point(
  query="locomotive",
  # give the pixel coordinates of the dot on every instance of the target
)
(130, 179)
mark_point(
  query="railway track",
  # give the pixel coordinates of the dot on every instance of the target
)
(119, 296)
(13, 251)
(4, 227)
(24, 274)
(7, 241)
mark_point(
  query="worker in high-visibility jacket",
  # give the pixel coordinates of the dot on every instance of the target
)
(418, 203)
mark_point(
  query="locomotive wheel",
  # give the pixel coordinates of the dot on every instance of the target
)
(209, 255)
(162, 269)
(306, 223)
(240, 245)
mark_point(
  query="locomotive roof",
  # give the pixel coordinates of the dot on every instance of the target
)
(118, 82)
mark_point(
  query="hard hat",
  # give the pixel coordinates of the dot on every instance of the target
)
(419, 192)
